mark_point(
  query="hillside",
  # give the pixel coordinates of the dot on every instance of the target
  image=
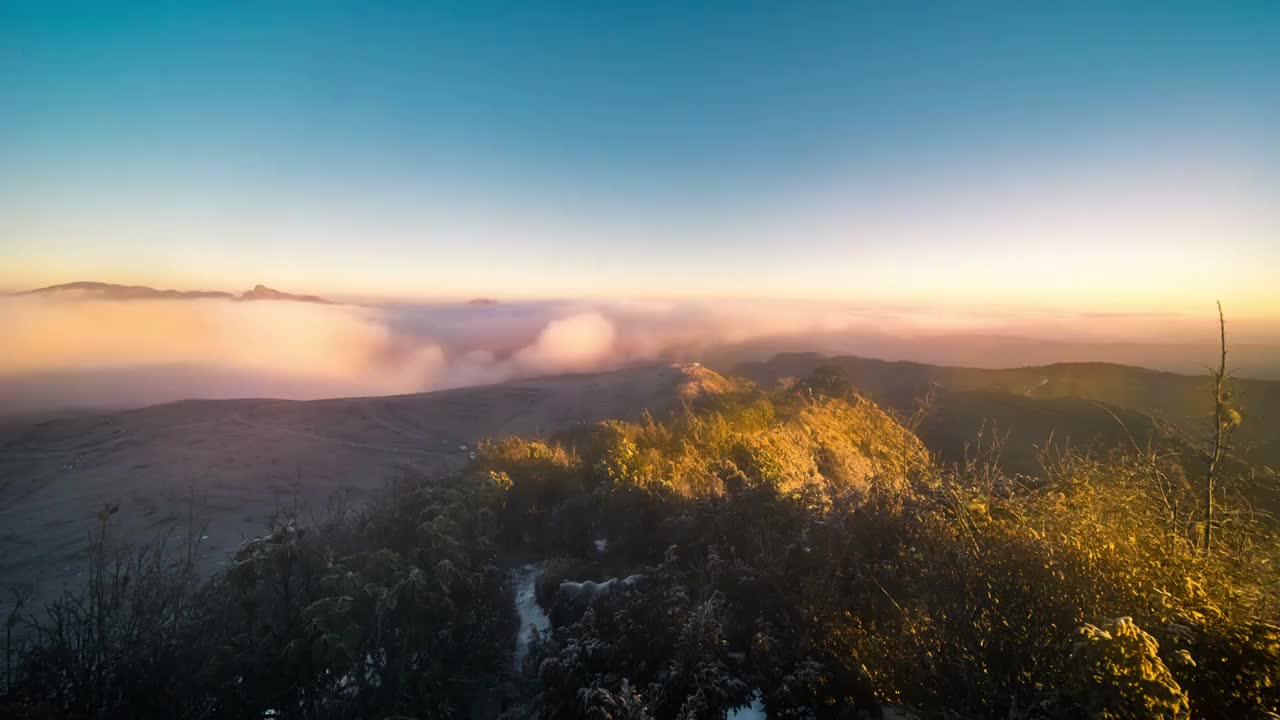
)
(1062, 398)
(239, 461)
(792, 551)
(963, 423)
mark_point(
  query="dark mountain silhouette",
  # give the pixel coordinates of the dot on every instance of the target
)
(112, 291)
(262, 292)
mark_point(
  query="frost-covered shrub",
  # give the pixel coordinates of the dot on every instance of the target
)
(1116, 672)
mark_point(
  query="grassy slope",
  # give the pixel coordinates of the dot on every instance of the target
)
(1037, 399)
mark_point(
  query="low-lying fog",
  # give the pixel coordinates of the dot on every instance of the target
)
(72, 351)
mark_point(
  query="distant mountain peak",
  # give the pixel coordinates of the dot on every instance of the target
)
(112, 291)
(262, 292)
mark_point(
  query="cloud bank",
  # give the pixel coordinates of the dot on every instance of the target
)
(76, 351)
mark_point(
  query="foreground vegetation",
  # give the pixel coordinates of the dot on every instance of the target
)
(799, 547)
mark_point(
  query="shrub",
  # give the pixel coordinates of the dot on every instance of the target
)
(800, 548)
(1117, 672)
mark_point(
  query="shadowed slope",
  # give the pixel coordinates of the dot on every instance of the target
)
(1061, 398)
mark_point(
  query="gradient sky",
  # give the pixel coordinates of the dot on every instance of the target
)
(1101, 157)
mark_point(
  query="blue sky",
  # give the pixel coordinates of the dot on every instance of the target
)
(1112, 155)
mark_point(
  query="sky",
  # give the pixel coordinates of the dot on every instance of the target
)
(1093, 157)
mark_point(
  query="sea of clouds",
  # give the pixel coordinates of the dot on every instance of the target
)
(65, 350)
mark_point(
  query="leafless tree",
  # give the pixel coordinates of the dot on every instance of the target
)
(1225, 420)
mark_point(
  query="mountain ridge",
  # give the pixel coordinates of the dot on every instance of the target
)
(1012, 397)
(114, 291)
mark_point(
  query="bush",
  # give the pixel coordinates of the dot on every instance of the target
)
(799, 547)
(1117, 673)
(853, 571)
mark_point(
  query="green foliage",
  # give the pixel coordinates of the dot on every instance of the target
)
(1063, 398)
(396, 608)
(800, 547)
(852, 571)
(782, 441)
(535, 478)
(660, 654)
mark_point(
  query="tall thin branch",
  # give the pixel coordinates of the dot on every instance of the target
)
(1220, 420)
